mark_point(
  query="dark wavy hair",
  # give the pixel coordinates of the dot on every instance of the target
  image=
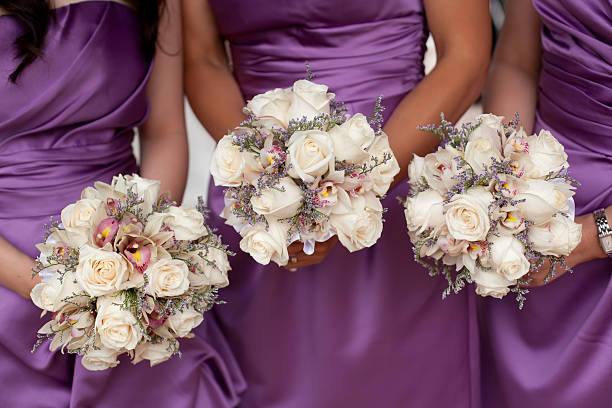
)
(35, 16)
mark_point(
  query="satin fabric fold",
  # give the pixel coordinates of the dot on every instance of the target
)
(67, 123)
(557, 351)
(364, 329)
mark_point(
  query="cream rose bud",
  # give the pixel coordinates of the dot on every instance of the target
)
(309, 99)
(280, 201)
(539, 200)
(558, 237)
(266, 245)
(491, 128)
(211, 271)
(100, 272)
(467, 215)
(310, 154)
(79, 214)
(416, 170)
(168, 277)
(147, 190)
(352, 139)
(117, 327)
(480, 153)
(100, 359)
(382, 176)
(226, 164)
(186, 222)
(508, 257)
(440, 168)
(182, 322)
(490, 283)
(154, 352)
(546, 155)
(252, 167)
(425, 210)
(358, 222)
(273, 104)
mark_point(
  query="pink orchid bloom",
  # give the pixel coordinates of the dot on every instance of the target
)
(138, 255)
(105, 231)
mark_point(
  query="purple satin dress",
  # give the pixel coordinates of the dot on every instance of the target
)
(67, 123)
(367, 329)
(557, 351)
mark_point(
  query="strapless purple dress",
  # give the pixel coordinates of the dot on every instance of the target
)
(557, 351)
(67, 123)
(367, 329)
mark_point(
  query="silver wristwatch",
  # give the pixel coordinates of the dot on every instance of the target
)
(604, 231)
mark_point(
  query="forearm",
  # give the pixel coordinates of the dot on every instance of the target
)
(166, 159)
(214, 96)
(462, 79)
(589, 247)
(16, 270)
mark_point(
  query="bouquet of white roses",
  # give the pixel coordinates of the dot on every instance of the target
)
(491, 204)
(127, 271)
(302, 169)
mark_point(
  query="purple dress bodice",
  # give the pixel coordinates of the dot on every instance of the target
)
(364, 329)
(556, 351)
(66, 123)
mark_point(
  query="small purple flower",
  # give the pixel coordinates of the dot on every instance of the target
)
(105, 231)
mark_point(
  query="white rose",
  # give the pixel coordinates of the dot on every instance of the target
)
(226, 164)
(490, 283)
(266, 245)
(154, 352)
(79, 214)
(276, 204)
(212, 270)
(310, 154)
(382, 176)
(558, 237)
(168, 277)
(100, 272)
(182, 322)
(352, 139)
(546, 155)
(358, 220)
(309, 99)
(117, 327)
(540, 200)
(186, 222)
(440, 168)
(51, 294)
(252, 167)
(416, 170)
(425, 210)
(467, 215)
(480, 152)
(147, 190)
(491, 128)
(273, 105)
(100, 359)
(508, 257)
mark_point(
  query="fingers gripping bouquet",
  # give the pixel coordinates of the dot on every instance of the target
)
(301, 169)
(491, 204)
(127, 271)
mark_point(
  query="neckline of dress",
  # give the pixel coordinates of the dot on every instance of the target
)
(76, 3)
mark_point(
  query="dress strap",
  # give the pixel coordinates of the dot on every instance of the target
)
(63, 3)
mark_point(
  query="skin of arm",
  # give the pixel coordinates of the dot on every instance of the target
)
(163, 142)
(513, 87)
(163, 137)
(455, 83)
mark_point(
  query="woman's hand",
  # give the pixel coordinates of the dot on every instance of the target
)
(298, 259)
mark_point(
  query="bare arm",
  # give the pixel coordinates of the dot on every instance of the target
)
(16, 270)
(211, 88)
(163, 138)
(515, 70)
(462, 33)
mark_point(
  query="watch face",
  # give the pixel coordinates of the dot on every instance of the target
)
(606, 243)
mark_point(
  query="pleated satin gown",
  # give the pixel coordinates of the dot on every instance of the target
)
(367, 329)
(66, 123)
(557, 351)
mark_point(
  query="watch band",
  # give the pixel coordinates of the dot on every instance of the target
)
(603, 231)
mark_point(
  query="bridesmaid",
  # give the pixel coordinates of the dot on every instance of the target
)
(77, 78)
(553, 64)
(364, 329)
